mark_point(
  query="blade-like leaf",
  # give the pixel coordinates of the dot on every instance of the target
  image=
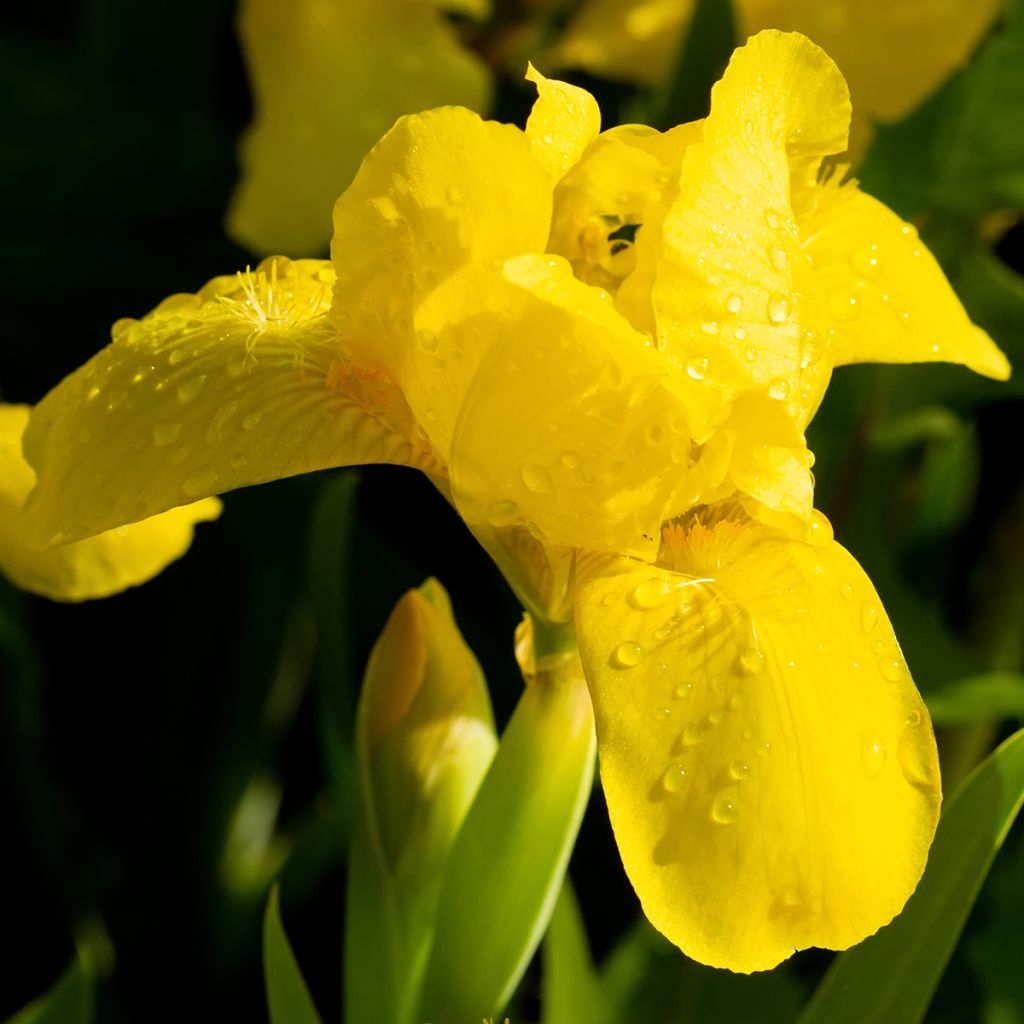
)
(509, 860)
(891, 976)
(571, 992)
(986, 697)
(288, 999)
(71, 1000)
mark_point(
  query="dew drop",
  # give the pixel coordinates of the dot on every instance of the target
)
(778, 309)
(736, 700)
(502, 513)
(739, 769)
(847, 590)
(571, 460)
(662, 713)
(656, 433)
(427, 341)
(628, 655)
(709, 326)
(865, 262)
(715, 717)
(239, 461)
(752, 660)
(697, 368)
(891, 668)
(252, 421)
(913, 758)
(177, 355)
(739, 333)
(655, 592)
(694, 733)
(548, 138)
(684, 689)
(763, 749)
(868, 617)
(880, 645)
(778, 390)
(843, 305)
(723, 810)
(914, 718)
(165, 432)
(771, 218)
(734, 304)
(200, 480)
(778, 257)
(874, 755)
(190, 388)
(536, 479)
(674, 778)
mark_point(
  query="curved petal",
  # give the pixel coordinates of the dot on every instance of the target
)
(563, 122)
(570, 426)
(96, 567)
(769, 767)
(321, 102)
(419, 238)
(889, 299)
(734, 298)
(245, 382)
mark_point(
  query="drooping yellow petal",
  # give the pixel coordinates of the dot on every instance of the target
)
(631, 40)
(96, 567)
(570, 426)
(244, 382)
(328, 79)
(734, 300)
(888, 298)
(563, 122)
(419, 239)
(893, 53)
(770, 770)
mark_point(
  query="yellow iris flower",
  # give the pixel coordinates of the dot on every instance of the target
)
(893, 53)
(604, 349)
(98, 566)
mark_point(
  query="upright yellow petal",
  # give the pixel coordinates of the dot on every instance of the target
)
(419, 239)
(893, 53)
(563, 122)
(244, 382)
(570, 427)
(770, 770)
(889, 300)
(734, 299)
(97, 567)
(630, 40)
(328, 78)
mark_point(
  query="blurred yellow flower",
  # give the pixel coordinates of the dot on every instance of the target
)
(328, 78)
(604, 349)
(893, 53)
(98, 566)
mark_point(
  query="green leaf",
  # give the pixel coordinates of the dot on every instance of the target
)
(71, 1000)
(891, 976)
(986, 697)
(571, 992)
(509, 860)
(288, 999)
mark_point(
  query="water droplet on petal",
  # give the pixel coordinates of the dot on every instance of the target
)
(734, 304)
(778, 309)
(739, 333)
(778, 389)
(694, 733)
(892, 669)
(843, 305)
(165, 432)
(847, 590)
(723, 810)
(752, 660)
(684, 689)
(739, 769)
(697, 368)
(427, 341)
(200, 480)
(771, 218)
(177, 355)
(914, 718)
(189, 389)
(874, 758)
(736, 700)
(628, 655)
(502, 513)
(252, 421)
(865, 261)
(868, 617)
(912, 752)
(655, 592)
(571, 460)
(536, 479)
(674, 777)
(778, 257)
(709, 327)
